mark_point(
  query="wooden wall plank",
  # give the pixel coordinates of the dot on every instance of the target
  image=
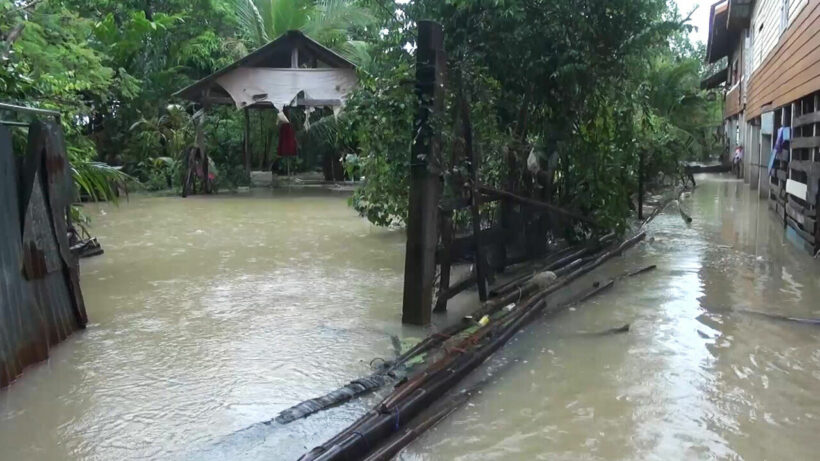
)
(791, 46)
(806, 143)
(813, 117)
(792, 68)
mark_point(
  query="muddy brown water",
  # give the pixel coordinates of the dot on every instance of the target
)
(211, 315)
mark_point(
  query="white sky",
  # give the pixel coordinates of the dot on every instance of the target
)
(700, 18)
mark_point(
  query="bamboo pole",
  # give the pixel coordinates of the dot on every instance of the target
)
(407, 401)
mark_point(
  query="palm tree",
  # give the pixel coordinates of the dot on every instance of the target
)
(327, 21)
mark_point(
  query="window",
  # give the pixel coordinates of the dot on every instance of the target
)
(784, 15)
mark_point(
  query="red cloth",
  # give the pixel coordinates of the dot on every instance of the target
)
(287, 141)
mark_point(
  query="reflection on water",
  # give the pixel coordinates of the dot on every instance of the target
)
(210, 315)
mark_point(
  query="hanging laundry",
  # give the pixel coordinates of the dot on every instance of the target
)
(287, 141)
(783, 137)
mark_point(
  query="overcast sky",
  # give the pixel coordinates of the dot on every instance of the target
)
(700, 19)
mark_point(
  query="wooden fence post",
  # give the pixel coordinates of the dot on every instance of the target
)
(425, 185)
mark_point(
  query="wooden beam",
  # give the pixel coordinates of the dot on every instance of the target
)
(805, 143)
(450, 292)
(29, 110)
(537, 204)
(811, 117)
(453, 204)
(300, 101)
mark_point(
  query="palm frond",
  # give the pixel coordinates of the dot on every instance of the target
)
(333, 18)
(251, 21)
(286, 15)
(98, 180)
(324, 131)
(358, 53)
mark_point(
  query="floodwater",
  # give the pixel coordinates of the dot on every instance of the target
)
(211, 315)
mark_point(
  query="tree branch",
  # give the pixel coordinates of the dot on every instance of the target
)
(15, 33)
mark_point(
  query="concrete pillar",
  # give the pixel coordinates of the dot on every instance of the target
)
(754, 155)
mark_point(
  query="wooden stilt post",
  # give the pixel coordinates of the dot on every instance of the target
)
(246, 143)
(425, 185)
(475, 201)
(200, 144)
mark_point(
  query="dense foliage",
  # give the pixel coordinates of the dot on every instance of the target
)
(583, 87)
(578, 88)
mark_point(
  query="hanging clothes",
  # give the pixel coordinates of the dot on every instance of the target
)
(287, 141)
(783, 137)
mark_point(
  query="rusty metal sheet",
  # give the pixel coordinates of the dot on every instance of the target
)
(38, 311)
(40, 250)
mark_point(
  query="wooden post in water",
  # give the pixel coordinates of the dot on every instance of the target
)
(425, 185)
(475, 201)
(246, 143)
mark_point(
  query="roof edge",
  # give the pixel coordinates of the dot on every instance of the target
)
(341, 61)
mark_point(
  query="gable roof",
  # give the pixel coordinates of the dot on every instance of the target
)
(284, 42)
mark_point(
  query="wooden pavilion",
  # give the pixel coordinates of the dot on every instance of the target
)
(291, 71)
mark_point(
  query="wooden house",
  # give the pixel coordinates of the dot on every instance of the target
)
(290, 71)
(772, 81)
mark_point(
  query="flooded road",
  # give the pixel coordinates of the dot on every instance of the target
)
(211, 315)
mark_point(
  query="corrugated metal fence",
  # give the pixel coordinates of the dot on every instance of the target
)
(40, 299)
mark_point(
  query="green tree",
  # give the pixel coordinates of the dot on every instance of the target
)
(583, 86)
(51, 65)
(328, 21)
